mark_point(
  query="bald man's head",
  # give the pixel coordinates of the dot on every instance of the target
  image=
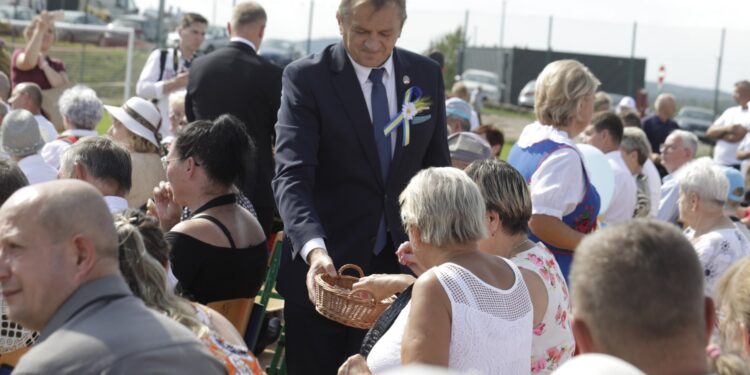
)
(27, 96)
(54, 237)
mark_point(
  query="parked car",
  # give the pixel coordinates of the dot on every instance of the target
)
(216, 37)
(143, 27)
(487, 81)
(695, 119)
(77, 18)
(11, 12)
(526, 96)
(280, 52)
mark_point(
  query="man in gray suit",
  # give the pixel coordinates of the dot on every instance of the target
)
(59, 275)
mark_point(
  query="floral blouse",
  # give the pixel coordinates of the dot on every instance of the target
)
(552, 343)
(718, 250)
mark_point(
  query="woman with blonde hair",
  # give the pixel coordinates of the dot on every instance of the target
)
(136, 126)
(33, 64)
(731, 355)
(564, 201)
(146, 278)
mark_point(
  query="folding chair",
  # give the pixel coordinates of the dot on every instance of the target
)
(237, 311)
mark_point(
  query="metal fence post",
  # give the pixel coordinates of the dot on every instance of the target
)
(718, 72)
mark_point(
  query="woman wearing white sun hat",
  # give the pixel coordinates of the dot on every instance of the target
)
(136, 126)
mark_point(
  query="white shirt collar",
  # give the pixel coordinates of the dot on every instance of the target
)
(30, 160)
(363, 73)
(536, 132)
(116, 204)
(79, 132)
(243, 40)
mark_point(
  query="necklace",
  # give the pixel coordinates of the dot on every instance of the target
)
(519, 245)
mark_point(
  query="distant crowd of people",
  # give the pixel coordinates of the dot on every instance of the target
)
(113, 245)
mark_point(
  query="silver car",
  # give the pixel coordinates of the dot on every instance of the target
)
(526, 96)
(695, 119)
(488, 82)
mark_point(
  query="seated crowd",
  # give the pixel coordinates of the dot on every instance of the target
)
(517, 267)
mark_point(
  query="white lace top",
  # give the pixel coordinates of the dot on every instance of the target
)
(491, 328)
(553, 341)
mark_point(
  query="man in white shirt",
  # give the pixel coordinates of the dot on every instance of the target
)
(679, 148)
(166, 70)
(606, 135)
(28, 96)
(22, 141)
(730, 128)
(104, 164)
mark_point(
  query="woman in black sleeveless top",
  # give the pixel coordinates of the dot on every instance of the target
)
(220, 252)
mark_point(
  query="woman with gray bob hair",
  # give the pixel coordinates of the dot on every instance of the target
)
(508, 209)
(718, 242)
(81, 110)
(564, 202)
(443, 324)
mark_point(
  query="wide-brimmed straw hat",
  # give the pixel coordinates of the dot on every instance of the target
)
(140, 117)
(19, 133)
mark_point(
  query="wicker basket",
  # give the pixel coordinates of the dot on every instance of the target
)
(335, 300)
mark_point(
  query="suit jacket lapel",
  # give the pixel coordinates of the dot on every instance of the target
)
(349, 91)
(401, 69)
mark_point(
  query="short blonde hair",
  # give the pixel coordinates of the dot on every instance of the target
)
(445, 205)
(560, 90)
(635, 139)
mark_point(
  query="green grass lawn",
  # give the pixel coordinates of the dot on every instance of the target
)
(104, 124)
(497, 111)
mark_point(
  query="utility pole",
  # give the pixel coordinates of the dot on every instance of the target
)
(159, 31)
(502, 23)
(309, 26)
(718, 72)
(549, 40)
(462, 52)
(631, 63)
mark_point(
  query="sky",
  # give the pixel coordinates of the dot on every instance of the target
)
(682, 35)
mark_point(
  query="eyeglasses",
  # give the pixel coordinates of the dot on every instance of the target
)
(165, 161)
(664, 148)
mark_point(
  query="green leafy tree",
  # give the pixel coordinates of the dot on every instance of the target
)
(450, 46)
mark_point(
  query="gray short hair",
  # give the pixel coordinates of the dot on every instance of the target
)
(635, 139)
(703, 177)
(177, 98)
(560, 90)
(81, 107)
(638, 282)
(103, 159)
(505, 191)
(661, 98)
(246, 13)
(689, 140)
(345, 7)
(445, 205)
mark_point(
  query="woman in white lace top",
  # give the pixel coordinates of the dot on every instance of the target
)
(469, 311)
(508, 205)
(703, 192)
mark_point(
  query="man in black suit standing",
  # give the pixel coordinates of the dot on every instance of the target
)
(237, 81)
(338, 175)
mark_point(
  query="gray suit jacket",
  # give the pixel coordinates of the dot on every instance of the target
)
(103, 329)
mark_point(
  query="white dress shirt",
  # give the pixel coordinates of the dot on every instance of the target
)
(149, 86)
(622, 205)
(725, 153)
(116, 204)
(363, 76)
(243, 40)
(654, 186)
(52, 150)
(36, 169)
(670, 192)
(46, 128)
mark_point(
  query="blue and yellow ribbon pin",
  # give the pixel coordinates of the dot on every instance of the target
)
(409, 110)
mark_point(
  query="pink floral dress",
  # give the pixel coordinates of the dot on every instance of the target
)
(552, 343)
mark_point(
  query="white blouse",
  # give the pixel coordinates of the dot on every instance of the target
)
(718, 250)
(558, 185)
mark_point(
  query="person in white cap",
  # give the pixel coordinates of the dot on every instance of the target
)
(136, 126)
(22, 141)
(627, 104)
(459, 115)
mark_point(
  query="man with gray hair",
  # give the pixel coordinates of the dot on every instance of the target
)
(635, 152)
(22, 142)
(236, 80)
(81, 111)
(638, 295)
(102, 163)
(340, 167)
(59, 275)
(658, 126)
(678, 149)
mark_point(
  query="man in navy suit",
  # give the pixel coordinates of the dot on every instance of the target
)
(338, 176)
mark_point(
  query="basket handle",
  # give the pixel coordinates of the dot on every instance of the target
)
(351, 267)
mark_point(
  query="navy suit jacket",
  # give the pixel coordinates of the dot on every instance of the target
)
(328, 182)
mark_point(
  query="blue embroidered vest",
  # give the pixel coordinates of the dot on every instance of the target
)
(582, 219)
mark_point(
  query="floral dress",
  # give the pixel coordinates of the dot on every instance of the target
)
(237, 360)
(718, 250)
(552, 343)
